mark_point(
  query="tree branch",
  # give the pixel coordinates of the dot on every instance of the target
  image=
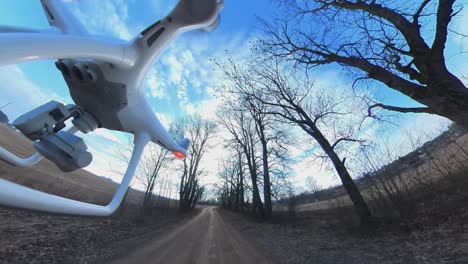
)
(444, 16)
(409, 31)
(346, 139)
(419, 11)
(400, 109)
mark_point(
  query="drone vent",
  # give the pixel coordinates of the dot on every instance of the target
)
(113, 96)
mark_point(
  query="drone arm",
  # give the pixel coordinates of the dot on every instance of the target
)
(187, 15)
(22, 47)
(60, 17)
(14, 29)
(15, 195)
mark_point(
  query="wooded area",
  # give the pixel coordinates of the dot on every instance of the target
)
(272, 104)
(271, 95)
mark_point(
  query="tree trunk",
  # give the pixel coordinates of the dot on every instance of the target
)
(450, 106)
(266, 180)
(360, 204)
(241, 182)
(241, 191)
(257, 206)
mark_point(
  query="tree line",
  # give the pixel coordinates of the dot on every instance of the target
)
(273, 103)
(159, 167)
(271, 95)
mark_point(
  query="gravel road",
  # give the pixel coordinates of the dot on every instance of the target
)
(204, 239)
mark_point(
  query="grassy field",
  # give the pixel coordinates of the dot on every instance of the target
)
(451, 159)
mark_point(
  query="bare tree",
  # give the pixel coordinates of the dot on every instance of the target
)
(199, 132)
(151, 165)
(263, 127)
(242, 128)
(313, 187)
(293, 100)
(240, 180)
(271, 138)
(400, 44)
(230, 191)
(153, 161)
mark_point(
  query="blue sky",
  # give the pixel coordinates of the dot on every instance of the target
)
(181, 81)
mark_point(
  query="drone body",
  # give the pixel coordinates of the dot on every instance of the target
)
(114, 93)
(105, 79)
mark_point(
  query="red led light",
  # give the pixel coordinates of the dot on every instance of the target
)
(179, 155)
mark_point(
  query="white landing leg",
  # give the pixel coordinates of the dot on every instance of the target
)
(16, 195)
(25, 162)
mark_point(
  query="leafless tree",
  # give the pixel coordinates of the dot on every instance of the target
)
(240, 197)
(313, 187)
(154, 160)
(199, 132)
(292, 99)
(270, 140)
(230, 191)
(400, 44)
(242, 128)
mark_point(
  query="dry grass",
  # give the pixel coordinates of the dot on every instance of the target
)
(447, 161)
(35, 237)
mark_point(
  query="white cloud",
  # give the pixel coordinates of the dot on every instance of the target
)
(161, 8)
(21, 92)
(101, 17)
(214, 155)
(182, 93)
(164, 119)
(206, 109)
(175, 68)
(102, 165)
(306, 168)
(418, 125)
(190, 109)
(156, 85)
(107, 134)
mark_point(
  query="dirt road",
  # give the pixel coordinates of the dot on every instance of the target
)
(204, 239)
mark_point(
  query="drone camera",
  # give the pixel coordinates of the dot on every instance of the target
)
(66, 150)
(41, 120)
(44, 125)
(63, 68)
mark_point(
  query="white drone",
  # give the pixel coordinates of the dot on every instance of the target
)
(105, 78)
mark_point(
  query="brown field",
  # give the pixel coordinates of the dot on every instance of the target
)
(162, 235)
(45, 176)
(35, 237)
(448, 160)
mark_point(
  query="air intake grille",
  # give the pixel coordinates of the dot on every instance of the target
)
(113, 96)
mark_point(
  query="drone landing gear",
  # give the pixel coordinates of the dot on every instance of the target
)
(68, 152)
(16, 195)
(43, 125)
